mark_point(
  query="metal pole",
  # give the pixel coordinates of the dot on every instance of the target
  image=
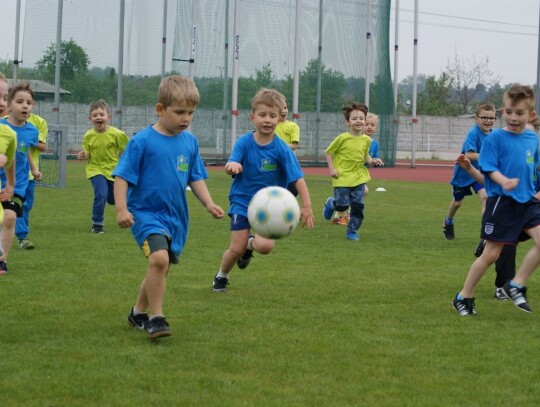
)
(537, 94)
(368, 53)
(396, 49)
(234, 102)
(120, 62)
(193, 39)
(415, 86)
(164, 39)
(225, 115)
(296, 73)
(319, 76)
(56, 105)
(16, 53)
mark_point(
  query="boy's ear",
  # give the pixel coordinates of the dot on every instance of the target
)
(159, 108)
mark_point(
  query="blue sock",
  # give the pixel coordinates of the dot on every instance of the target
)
(459, 296)
(515, 285)
(449, 221)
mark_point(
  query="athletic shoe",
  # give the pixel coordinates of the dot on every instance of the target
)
(328, 209)
(499, 295)
(352, 236)
(220, 284)
(139, 321)
(464, 307)
(518, 295)
(97, 229)
(3, 267)
(26, 244)
(448, 231)
(158, 327)
(243, 261)
(339, 221)
(479, 249)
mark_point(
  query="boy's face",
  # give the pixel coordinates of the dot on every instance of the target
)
(20, 107)
(100, 119)
(485, 119)
(356, 122)
(4, 89)
(176, 118)
(370, 127)
(284, 113)
(265, 119)
(517, 115)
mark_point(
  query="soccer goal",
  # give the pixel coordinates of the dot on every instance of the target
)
(52, 163)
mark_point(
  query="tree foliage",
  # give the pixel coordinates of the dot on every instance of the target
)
(73, 61)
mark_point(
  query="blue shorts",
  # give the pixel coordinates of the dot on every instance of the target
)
(239, 222)
(505, 220)
(461, 192)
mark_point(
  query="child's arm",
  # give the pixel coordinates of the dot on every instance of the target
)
(200, 190)
(124, 218)
(506, 183)
(464, 162)
(233, 168)
(373, 161)
(33, 167)
(7, 192)
(471, 155)
(82, 155)
(306, 213)
(330, 162)
(41, 146)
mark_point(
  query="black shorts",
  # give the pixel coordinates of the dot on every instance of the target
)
(156, 242)
(505, 220)
(14, 205)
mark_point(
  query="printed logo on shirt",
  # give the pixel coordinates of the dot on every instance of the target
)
(23, 147)
(181, 164)
(267, 165)
(530, 158)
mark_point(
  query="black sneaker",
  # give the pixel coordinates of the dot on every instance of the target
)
(139, 321)
(479, 249)
(158, 327)
(3, 267)
(518, 295)
(98, 229)
(220, 284)
(448, 231)
(464, 307)
(243, 261)
(499, 295)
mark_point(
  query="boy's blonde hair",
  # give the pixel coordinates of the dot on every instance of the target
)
(350, 107)
(268, 97)
(3, 78)
(100, 104)
(177, 89)
(520, 93)
(20, 87)
(372, 116)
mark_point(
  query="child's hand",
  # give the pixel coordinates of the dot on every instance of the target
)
(510, 184)
(334, 173)
(6, 194)
(377, 162)
(81, 155)
(463, 162)
(124, 218)
(38, 176)
(215, 211)
(233, 168)
(306, 217)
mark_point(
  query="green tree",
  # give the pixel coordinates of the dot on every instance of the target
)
(435, 100)
(73, 61)
(333, 85)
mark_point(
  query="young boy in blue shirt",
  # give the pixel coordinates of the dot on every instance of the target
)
(259, 159)
(150, 194)
(462, 182)
(509, 161)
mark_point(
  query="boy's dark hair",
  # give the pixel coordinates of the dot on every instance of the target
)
(20, 87)
(100, 104)
(348, 108)
(490, 107)
(268, 97)
(519, 93)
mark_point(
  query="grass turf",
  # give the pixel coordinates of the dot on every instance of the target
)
(320, 321)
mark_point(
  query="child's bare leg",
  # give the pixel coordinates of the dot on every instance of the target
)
(478, 268)
(141, 305)
(531, 260)
(263, 245)
(154, 283)
(453, 208)
(8, 232)
(239, 240)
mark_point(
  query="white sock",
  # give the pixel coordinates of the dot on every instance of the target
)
(135, 312)
(250, 243)
(221, 274)
(155, 316)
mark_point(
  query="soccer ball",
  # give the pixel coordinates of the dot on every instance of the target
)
(273, 212)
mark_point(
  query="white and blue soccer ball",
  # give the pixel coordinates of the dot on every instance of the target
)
(273, 212)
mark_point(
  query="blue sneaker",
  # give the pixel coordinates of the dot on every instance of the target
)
(352, 236)
(328, 209)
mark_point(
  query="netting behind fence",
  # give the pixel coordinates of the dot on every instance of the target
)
(266, 54)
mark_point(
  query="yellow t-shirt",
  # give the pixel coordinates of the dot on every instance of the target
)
(8, 146)
(288, 131)
(349, 156)
(104, 149)
(43, 129)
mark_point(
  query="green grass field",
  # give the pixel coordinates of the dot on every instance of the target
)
(321, 321)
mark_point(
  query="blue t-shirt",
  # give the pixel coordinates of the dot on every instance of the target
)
(263, 166)
(374, 149)
(515, 156)
(158, 169)
(27, 136)
(473, 142)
